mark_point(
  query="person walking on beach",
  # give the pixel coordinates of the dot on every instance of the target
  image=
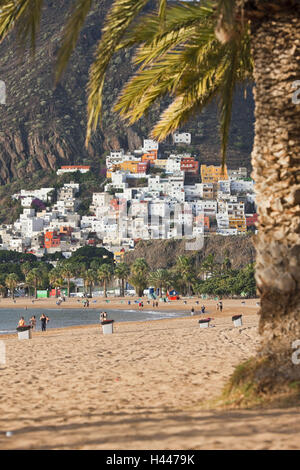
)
(192, 311)
(203, 309)
(44, 321)
(221, 306)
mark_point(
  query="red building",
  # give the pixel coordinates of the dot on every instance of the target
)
(143, 167)
(189, 165)
(251, 220)
(52, 239)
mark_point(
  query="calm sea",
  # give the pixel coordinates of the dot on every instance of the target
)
(60, 318)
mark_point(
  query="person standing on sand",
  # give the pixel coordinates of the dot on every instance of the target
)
(33, 322)
(44, 321)
(192, 311)
(221, 306)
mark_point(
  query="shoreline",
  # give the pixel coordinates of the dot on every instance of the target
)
(230, 307)
(98, 325)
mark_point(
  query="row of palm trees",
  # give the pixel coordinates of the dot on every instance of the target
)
(139, 275)
(183, 276)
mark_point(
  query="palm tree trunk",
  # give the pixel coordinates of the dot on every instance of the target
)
(276, 171)
(68, 287)
(104, 288)
(123, 287)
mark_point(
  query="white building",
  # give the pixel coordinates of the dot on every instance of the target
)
(173, 164)
(150, 144)
(182, 138)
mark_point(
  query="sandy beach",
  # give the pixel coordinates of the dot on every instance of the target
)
(231, 306)
(144, 387)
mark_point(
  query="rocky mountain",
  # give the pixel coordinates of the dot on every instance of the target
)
(43, 126)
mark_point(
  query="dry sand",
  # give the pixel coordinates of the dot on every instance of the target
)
(230, 306)
(141, 388)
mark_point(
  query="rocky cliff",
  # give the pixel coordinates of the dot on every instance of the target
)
(162, 253)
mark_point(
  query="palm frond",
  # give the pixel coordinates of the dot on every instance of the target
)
(22, 15)
(71, 33)
(120, 17)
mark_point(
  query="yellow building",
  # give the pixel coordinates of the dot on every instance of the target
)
(239, 223)
(130, 166)
(212, 173)
(119, 256)
(160, 164)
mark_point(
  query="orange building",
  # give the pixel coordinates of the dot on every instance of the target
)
(52, 239)
(239, 223)
(66, 231)
(150, 156)
(212, 173)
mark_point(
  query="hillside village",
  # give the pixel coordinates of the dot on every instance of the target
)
(145, 197)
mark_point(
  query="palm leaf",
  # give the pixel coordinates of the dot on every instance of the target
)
(120, 17)
(24, 16)
(71, 33)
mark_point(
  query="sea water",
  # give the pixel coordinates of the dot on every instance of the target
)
(60, 317)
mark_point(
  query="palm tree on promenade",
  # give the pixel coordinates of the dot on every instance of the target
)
(56, 279)
(68, 272)
(104, 275)
(185, 270)
(11, 282)
(89, 278)
(34, 279)
(160, 279)
(122, 272)
(139, 275)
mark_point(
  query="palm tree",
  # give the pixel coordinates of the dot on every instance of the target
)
(3, 287)
(184, 267)
(56, 279)
(104, 275)
(139, 275)
(122, 272)
(159, 279)
(25, 268)
(68, 271)
(34, 279)
(11, 282)
(89, 278)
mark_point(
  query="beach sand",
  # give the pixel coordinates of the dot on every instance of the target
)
(143, 387)
(231, 306)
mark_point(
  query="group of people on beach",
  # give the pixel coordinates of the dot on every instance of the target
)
(32, 322)
(202, 310)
